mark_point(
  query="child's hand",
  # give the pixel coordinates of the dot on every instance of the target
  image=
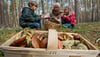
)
(64, 15)
(42, 16)
(54, 17)
(48, 18)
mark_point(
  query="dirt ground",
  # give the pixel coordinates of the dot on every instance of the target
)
(90, 31)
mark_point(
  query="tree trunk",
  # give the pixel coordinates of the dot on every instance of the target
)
(86, 19)
(76, 10)
(87, 11)
(69, 2)
(17, 12)
(51, 4)
(47, 5)
(97, 2)
(8, 12)
(92, 5)
(2, 13)
(23, 4)
(19, 8)
(90, 11)
(42, 1)
(39, 6)
(81, 13)
(13, 13)
(99, 10)
(62, 3)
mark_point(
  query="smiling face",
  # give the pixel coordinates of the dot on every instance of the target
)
(56, 8)
(66, 10)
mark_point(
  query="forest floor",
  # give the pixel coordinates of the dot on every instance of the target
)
(90, 31)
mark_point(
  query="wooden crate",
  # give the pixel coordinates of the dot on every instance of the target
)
(51, 50)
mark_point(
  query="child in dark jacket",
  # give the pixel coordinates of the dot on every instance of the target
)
(29, 18)
(68, 19)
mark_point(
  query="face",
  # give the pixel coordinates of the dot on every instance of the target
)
(66, 10)
(56, 9)
(33, 7)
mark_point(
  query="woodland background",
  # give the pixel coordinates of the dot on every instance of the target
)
(86, 10)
